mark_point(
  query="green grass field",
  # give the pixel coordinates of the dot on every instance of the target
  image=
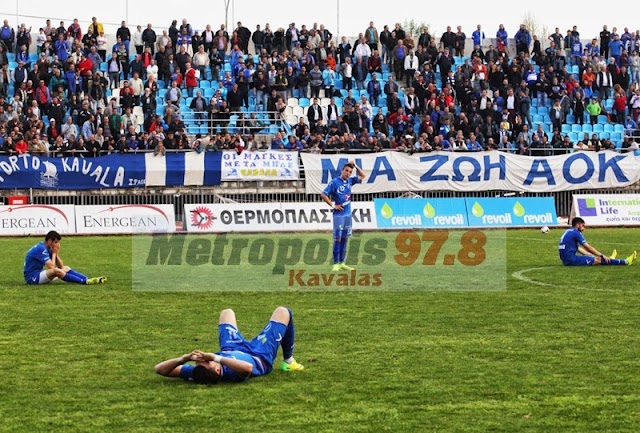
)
(557, 351)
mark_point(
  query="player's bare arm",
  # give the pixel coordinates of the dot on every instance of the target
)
(55, 255)
(328, 201)
(595, 252)
(361, 174)
(243, 368)
(584, 252)
(171, 367)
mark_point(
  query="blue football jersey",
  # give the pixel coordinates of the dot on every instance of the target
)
(36, 257)
(339, 191)
(570, 241)
(228, 374)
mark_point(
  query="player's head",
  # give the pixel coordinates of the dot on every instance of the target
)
(577, 223)
(52, 237)
(347, 169)
(206, 373)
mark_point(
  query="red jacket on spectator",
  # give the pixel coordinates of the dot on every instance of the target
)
(190, 78)
(375, 64)
(85, 67)
(146, 58)
(620, 103)
(21, 146)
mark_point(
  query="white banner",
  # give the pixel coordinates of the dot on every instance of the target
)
(125, 219)
(263, 165)
(271, 217)
(608, 209)
(482, 171)
(19, 220)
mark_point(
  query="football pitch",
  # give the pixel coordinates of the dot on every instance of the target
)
(456, 340)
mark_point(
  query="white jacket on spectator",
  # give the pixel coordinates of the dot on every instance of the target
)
(200, 59)
(362, 50)
(411, 62)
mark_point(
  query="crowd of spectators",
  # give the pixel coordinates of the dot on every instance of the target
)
(76, 93)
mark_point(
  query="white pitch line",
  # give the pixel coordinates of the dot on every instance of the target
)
(519, 275)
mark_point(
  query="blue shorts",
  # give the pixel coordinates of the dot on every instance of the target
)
(577, 260)
(36, 278)
(341, 226)
(264, 345)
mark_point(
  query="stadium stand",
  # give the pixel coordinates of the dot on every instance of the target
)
(378, 94)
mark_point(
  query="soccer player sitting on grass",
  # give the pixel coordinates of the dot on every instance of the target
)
(573, 242)
(337, 195)
(47, 255)
(238, 359)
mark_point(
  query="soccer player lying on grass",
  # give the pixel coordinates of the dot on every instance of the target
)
(337, 195)
(573, 242)
(238, 359)
(47, 255)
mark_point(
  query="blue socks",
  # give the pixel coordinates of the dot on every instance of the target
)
(74, 277)
(337, 249)
(343, 250)
(289, 338)
(614, 262)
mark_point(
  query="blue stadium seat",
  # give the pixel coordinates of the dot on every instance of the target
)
(13, 65)
(575, 69)
(205, 84)
(303, 102)
(616, 137)
(604, 135)
(573, 136)
(587, 128)
(534, 103)
(11, 57)
(565, 129)
(193, 129)
(576, 128)
(603, 119)
(618, 128)
(537, 118)
(542, 110)
(598, 128)
(570, 119)
(608, 128)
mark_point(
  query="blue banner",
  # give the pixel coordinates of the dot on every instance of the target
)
(511, 212)
(110, 171)
(421, 213)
